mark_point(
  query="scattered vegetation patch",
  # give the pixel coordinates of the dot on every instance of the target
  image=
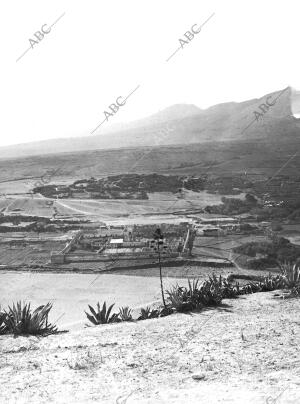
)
(125, 314)
(148, 313)
(21, 320)
(102, 315)
(266, 254)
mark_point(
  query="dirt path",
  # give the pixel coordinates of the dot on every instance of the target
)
(246, 351)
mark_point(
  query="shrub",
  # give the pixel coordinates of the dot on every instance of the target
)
(3, 327)
(295, 292)
(210, 293)
(272, 282)
(290, 274)
(180, 299)
(125, 314)
(183, 299)
(148, 313)
(102, 315)
(165, 311)
(228, 290)
(20, 320)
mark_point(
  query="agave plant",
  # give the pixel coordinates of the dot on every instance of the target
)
(210, 293)
(193, 293)
(3, 327)
(102, 315)
(148, 313)
(164, 311)
(228, 290)
(253, 287)
(180, 299)
(20, 320)
(291, 275)
(295, 292)
(272, 282)
(249, 288)
(125, 314)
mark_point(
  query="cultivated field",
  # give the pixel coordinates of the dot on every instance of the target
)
(22, 252)
(110, 210)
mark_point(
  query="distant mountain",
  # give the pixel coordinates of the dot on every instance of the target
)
(186, 124)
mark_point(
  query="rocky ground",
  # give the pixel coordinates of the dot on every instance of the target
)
(246, 351)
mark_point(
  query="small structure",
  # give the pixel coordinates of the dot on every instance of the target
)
(116, 243)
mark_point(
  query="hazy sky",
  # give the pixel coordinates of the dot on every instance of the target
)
(100, 50)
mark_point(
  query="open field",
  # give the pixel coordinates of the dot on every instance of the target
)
(110, 211)
(245, 351)
(158, 203)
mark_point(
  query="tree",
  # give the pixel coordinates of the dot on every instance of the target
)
(250, 199)
(158, 240)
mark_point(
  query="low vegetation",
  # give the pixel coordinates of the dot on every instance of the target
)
(269, 253)
(102, 315)
(198, 295)
(125, 314)
(21, 320)
(291, 275)
(147, 313)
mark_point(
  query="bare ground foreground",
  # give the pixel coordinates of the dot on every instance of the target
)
(246, 351)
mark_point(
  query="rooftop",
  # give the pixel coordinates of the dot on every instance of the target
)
(116, 241)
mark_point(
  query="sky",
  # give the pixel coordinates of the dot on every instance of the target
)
(98, 51)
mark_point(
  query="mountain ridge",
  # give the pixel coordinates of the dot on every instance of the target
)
(183, 124)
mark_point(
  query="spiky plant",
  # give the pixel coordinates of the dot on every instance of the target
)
(249, 288)
(291, 275)
(295, 292)
(21, 320)
(210, 292)
(125, 314)
(102, 315)
(228, 290)
(148, 313)
(193, 293)
(180, 299)
(3, 327)
(165, 311)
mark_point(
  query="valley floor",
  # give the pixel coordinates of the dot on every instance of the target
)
(246, 351)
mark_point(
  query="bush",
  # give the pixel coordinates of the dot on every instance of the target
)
(20, 320)
(165, 311)
(290, 274)
(102, 315)
(3, 327)
(228, 290)
(183, 299)
(210, 293)
(180, 300)
(148, 313)
(125, 314)
(295, 292)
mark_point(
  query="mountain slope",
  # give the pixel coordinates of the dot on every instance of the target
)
(184, 124)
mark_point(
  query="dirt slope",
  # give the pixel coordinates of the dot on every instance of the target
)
(244, 352)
